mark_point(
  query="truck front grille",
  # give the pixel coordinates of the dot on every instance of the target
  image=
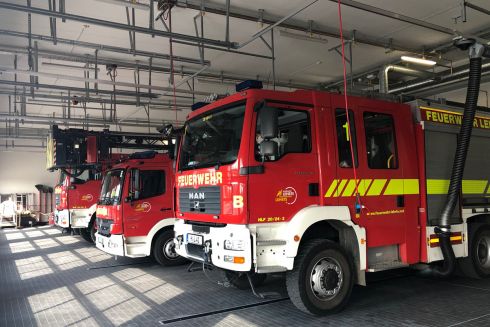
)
(104, 226)
(201, 200)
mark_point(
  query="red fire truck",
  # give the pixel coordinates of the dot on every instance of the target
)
(135, 212)
(76, 198)
(265, 183)
(82, 156)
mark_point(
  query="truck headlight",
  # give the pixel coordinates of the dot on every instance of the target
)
(234, 245)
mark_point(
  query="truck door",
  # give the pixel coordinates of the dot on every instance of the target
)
(153, 204)
(288, 182)
(389, 180)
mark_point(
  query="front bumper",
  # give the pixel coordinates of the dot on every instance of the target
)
(113, 244)
(80, 218)
(212, 248)
(62, 218)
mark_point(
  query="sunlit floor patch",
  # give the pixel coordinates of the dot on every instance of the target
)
(36, 233)
(14, 236)
(67, 239)
(126, 311)
(46, 243)
(32, 267)
(94, 284)
(19, 247)
(66, 260)
(93, 254)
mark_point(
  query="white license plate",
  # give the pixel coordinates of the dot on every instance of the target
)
(100, 240)
(194, 239)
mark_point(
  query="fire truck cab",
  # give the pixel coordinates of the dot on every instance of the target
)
(135, 212)
(76, 199)
(265, 184)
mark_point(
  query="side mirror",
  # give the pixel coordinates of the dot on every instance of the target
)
(269, 148)
(269, 122)
(134, 185)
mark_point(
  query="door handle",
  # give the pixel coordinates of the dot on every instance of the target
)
(400, 201)
(165, 209)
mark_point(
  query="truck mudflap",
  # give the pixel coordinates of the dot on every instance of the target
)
(62, 218)
(113, 244)
(80, 218)
(228, 247)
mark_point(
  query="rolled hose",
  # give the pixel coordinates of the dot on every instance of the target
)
(443, 230)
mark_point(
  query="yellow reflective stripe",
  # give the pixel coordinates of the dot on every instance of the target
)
(474, 186)
(395, 187)
(363, 186)
(331, 188)
(350, 188)
(340, 188)
(410, 186)
(437, 186)
(452, 238)
(376, 187)
(470, 186)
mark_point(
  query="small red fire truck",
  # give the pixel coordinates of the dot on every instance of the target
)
(265, 184)
(135, 212)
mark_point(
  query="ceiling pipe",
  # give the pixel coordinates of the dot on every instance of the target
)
(384, 72)
(398, 16)
(85, 99)
(114, 25)
(30, 119)
(103, 47)
(247, 15)
(280, 21)
(62, 56)
(98, 81)
(445, 83)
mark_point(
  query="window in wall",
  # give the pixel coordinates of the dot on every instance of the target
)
(293, 137)
(380, 141)
(343, 138)
(152, 183)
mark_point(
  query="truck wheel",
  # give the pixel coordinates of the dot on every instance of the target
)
(477, 264)
(321, 280)
(85, 234)
(164, 250)
(92, 232)
(240, 280)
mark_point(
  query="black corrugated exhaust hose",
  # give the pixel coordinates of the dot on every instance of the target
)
(443, 230)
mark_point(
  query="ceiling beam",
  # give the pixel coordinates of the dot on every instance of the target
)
(115, 25)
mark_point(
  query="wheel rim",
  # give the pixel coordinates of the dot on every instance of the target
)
(326, 278)
(169, 250)
(483, 251)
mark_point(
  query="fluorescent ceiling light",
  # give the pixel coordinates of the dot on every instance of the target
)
(130, 4)
(419, 61)
(304, 37)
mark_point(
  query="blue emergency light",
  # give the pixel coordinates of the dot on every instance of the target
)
(198, 105)
(249, 84)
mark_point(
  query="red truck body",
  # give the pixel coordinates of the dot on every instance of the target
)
(142, 226)
(249, 212)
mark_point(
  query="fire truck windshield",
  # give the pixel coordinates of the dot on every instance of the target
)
(112, 187)
(212, 139)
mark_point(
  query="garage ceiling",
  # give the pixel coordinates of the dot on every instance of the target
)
(305, 53)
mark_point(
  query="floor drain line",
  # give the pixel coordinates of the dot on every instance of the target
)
(211, 313)
(120, 265)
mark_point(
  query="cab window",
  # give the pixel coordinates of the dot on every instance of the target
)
(380, 141)
(293, 136)
(152, 183)
(343, 138)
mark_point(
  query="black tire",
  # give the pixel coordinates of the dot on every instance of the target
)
(85, 234)
(93, 230)
(335, 280)
(479, 252)
(240, 280)
(164, 250)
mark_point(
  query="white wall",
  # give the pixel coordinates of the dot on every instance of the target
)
(20, 171)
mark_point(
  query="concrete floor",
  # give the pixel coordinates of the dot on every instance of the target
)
(49, 279)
